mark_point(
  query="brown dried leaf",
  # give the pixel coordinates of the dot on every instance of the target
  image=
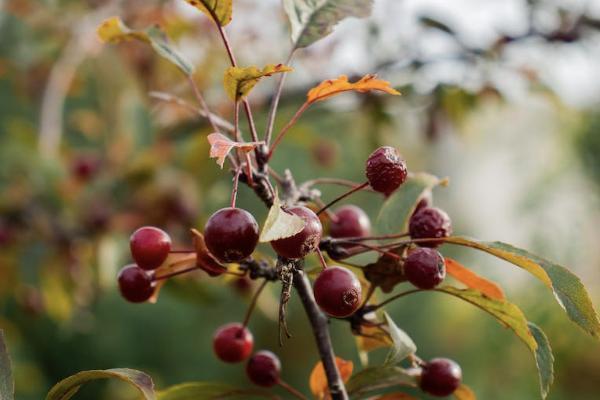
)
(221, 145)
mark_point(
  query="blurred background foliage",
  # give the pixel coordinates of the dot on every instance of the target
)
(500, 96)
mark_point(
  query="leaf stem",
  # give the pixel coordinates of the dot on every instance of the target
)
(321, 258)
(343, 196)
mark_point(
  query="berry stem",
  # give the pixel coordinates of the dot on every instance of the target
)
(319, 323)
(396, 297)
(275, 102)
(172, 274)
(370, 247)
(253, 303)
(182, 251)
(364, 238)
(370, 293)
(234, 190)
(284, 130)
(321, 258)
(291, 390)
(343, 196)
(330, 181)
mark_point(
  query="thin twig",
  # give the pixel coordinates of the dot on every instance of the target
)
(390, 299)
(291, 390)
(234, 190)
(275, 102)
(202, 103)
(343, 196)
(284, 130)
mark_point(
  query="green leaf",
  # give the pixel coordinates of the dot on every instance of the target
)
(397, 209)
(403, 344)
(160, 43)
(66, 388)
(568, 289)
(239, 81)
(7, 386)
(210, 391)
(512, 317)
(219, 10)
(377, 378)
(543, 358)
(113, 30)
(312, 20)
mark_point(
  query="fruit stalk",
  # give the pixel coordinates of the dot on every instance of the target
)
(319, 324)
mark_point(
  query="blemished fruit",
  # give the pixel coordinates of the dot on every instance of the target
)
(135, 284)
(430, 223)
(351, 221)
(233, 343)
(338, 291)
(264, 369)
(150, 247)
(231, 234)
(425, 268)
(305, 241)
(440, 377)
(386, 170)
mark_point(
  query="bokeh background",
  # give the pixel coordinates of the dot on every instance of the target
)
(501, 96)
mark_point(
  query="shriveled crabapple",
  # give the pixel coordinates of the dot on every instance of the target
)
(150, 247)
(440, 377)
(231, 234)
(425, 268)
(303, 242)
(337, 291)
(264, 369)
(386, 170)
(430, 223)
(135, 284)
(233, 343)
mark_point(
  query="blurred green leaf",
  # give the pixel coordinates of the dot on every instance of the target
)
(403, 344)
(7, 388)
(160, 43)
(397, 209)
(66, 388)
(209, 391)
(543, 358)
(568, 289)
(376, 378)
(312, 20)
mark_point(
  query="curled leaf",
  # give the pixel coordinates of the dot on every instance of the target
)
(239, 81)
(113, 30)
(472, 280)
(318, 379)
(204, 260)
(333, 87)
(280, 224)
(221, 145)
(219, 10)
(403, 344)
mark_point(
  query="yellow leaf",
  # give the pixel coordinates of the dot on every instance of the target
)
(464, 393)
(472, 280)
(318, 380)
(239, 81)
(219, 10)
(332, 87)
(113, 30)
(372, 338)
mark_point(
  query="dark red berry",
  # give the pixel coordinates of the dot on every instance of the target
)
(135, 284)
(425, 268)
(85, 167)
(233, 343)
(303, 242)
(386, 170)
(350, 221)
(430, 222)
(150, 247)
(264, 368)
(338, 291)
(231, 234)
(440, 377)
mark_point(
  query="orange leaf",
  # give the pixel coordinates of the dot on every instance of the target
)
(318, 380)
(472, 280)
(221, 145)
(332, 87)
(396, 396)
(204, 260)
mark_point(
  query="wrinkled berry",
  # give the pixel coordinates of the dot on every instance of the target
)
(386, 170)
(430, 222)
(425, 268)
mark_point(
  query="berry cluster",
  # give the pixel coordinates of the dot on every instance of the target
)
(231, 235)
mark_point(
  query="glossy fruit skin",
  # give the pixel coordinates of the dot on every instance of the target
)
(386, 170)
(305, 241)
(425, 268)
(338, 291)
(264, 369)
(440, 377)
(231, 234)
(135, 284)
(150, 247)
(233, 343)
(430, 222)
(351, 221)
